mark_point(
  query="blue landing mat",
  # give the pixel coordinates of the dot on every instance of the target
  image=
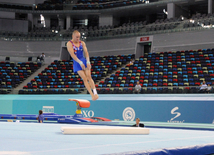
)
(45, 139)
(191, 150)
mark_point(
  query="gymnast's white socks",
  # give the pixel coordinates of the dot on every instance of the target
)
(95, 91)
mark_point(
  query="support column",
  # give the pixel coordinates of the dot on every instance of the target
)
(30, 19)
(71, 23)
(175, 11)
(171, 10)
(210, 6)
(68, 22)
(35, 20)
(116, 21)
(105, 20)
(61, 23)
(47, 21)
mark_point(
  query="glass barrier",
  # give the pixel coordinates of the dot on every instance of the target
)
(67, 7)
(108, 36)
(111, 90)
(18, 58)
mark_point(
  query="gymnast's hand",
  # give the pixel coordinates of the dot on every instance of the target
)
(88, 66)
(83, 66)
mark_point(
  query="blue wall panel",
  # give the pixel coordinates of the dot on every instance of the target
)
(113, 107)
(159, 111)
(6, 106)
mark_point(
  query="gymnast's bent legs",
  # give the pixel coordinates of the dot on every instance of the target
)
(88, 82)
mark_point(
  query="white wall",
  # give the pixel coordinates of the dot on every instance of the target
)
(13, 25)
(161, 42)
(7, 15)
(30, 48)
(183, 41)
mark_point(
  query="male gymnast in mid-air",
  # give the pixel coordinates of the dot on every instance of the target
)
(81, 64)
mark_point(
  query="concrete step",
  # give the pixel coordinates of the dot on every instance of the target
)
(24, 83)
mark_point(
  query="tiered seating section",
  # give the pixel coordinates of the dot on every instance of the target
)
(80, 5)
(107, 30)
(12, 74)
(43, 32)
(36, 33)
(104, 4)
(98, 31)
(165, 72)
(15, 6)
(162, 24)
(50, 5)
(199, 20)
(46, 5)
(59, 75)
(127, 28)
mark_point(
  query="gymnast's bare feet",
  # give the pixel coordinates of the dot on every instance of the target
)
(95, 97)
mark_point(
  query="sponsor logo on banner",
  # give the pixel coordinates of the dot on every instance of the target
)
(61, 119)
(128, 114)
(88, 113)
(177, 114)
(48, 109)
(144, 39)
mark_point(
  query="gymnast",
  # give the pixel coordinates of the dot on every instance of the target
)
(81, 64)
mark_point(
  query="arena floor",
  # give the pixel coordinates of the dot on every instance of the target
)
(34, 138)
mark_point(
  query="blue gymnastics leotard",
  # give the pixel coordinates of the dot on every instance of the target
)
(78, 51)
